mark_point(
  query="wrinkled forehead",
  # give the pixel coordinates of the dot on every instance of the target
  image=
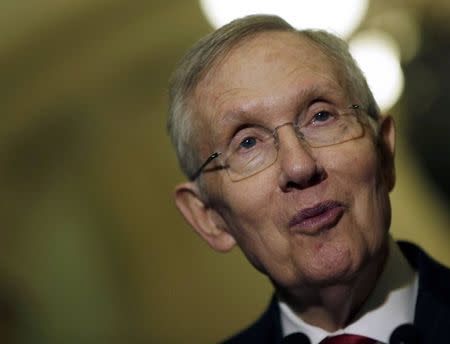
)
(269, 69)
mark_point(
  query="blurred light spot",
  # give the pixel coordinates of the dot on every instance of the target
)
(339, 17)
(403, 26)
(378, 56)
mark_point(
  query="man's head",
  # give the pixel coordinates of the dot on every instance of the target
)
(318, 213)
(213, 48)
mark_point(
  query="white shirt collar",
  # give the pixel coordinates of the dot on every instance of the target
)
(391, 304)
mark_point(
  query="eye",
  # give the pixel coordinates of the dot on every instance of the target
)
(249, 140)
(321, 117)
(248, 143)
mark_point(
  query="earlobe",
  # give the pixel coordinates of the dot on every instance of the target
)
(206, 221)
(387, 150)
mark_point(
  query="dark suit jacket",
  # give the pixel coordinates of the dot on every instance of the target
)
(432, 317)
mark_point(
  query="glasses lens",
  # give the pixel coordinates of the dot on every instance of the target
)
(251, 154)
(346, 127)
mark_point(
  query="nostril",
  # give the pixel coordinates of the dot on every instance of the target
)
(292, 185)
(316, 178)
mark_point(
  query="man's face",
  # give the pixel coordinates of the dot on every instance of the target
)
(317, 215)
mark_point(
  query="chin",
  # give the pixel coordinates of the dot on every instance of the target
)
(330, 278)
(315, 276)
(332, 268)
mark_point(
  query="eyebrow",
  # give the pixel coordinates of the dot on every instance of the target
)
(228, 123)
(302, 99)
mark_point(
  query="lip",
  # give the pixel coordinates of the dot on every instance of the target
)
(312, 221)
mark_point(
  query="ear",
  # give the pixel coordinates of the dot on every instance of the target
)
(206, 221)
(387, 150)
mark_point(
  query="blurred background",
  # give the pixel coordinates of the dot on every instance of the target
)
(92, 249)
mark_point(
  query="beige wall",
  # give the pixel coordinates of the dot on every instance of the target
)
(92, 247)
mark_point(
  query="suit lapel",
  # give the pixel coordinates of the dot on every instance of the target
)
(432, 315)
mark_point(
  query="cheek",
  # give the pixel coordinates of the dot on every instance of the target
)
(251, 213)
(241, 206)
(366, 189)
(356, 167)
(362, 166)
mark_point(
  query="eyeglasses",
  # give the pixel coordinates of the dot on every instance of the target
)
(255, 148)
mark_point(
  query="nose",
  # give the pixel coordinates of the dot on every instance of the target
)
(299, 168)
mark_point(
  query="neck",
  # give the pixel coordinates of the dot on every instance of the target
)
(333, 306)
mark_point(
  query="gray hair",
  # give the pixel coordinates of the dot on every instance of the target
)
(214, 47)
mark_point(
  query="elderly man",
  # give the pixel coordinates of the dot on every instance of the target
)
(288, 158)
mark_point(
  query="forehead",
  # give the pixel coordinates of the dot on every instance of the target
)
(271, 69)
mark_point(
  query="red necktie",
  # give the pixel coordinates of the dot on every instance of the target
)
(348, 339)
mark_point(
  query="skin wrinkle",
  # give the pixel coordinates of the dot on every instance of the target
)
(204, 84)
(319, 270)
(237, 116)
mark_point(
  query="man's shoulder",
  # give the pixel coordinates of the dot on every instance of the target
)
(432, 313)
(434, 277)
(267, 329)
(428, 267)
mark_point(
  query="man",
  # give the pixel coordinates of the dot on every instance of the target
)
(288, 158)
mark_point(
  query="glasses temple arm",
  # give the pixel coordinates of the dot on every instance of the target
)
(201, 168)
